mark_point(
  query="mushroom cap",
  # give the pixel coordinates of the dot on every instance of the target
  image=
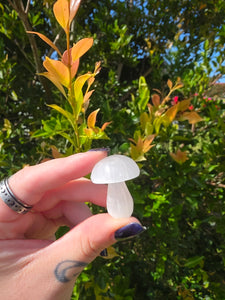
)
(113, 169)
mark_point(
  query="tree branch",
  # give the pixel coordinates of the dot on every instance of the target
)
(23, 15)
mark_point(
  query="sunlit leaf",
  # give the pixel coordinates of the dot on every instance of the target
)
(144, 94)
(47, 40)
(65, 113)
(111, 253)
(192, 117)
(79, 98)
(55, 152)
(156, 100)
(170, 84)
(62, 13)
(180, 156)
(55, 81)
(67, 60)
(57, 70)
(147, 143)
(170, 114)
(105, 125)
(92, 118)
(74, 5)
(87, 96)
(183, 105)
(81, 47)
(86, 100)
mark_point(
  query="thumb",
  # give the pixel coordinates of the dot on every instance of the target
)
(68, 256)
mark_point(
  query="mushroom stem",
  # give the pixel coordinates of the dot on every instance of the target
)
(119, 200)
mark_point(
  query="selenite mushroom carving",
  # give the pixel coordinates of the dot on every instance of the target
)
(114, 170)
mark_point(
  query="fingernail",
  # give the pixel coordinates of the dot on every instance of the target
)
(104, 253)
(101, 149)
(129, 231)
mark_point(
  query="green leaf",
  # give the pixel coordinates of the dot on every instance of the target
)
(79, 97)
(144, 94)
(65, 113)
(194, 261)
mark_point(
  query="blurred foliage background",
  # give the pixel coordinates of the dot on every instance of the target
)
(154, 56)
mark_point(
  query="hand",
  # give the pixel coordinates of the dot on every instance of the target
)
(33, 265)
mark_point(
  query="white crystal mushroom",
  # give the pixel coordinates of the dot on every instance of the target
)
(114, 170)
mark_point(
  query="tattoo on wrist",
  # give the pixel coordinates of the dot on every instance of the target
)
(66, 270)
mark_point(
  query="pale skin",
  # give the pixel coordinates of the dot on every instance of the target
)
(33, 265)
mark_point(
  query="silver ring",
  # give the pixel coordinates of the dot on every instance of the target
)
(10, 199)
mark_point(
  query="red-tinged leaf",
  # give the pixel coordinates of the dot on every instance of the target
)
(86, 100)
(180, 156)
(74, 65)
(74, 68)
(92, 119)
(170, 84)
(74, 5)
(55, 152)
(81, 47)
(62, 13)
(65, 57)
(147, 143)
(58, 70)
(105, 125)
(47, 41)
(54, 80)
(156, 100)
(87, 96)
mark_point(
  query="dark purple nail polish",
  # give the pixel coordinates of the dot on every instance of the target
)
(129, 231)
(104, 253)
(101, 149)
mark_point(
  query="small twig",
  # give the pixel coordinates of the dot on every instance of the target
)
(27, 7)
(58, 37)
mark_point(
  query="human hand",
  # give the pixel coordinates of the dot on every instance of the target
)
(33, 265)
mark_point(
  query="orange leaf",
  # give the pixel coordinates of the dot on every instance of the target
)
(170, 84)
(46, 40)
(55, 152)
(180, 156)
(184, 104)
(74, 5)
(57, 70)
(81, 47)
(147, 143)
(105, 125)
(156, 100)
(54, 80)
(74, 68)
(170, 114)
(192, 117)
(92, 118)
(62, 13)
(87, 96)
(74, 65)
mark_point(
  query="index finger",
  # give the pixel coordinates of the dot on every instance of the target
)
(30, 183)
